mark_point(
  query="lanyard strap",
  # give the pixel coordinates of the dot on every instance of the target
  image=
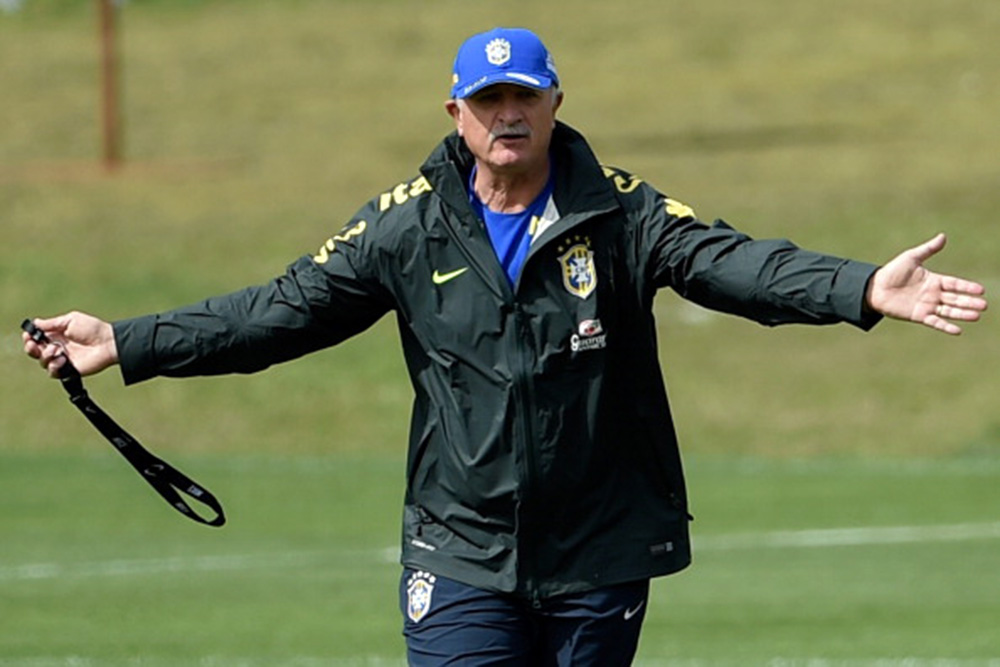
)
(168, 481)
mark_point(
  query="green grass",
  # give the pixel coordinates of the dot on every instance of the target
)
(305, 574)
(254, 129)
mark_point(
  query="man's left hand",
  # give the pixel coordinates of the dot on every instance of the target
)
(904, 290)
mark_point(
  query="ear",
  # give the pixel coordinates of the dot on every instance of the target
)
(557, 101)
(454, 110)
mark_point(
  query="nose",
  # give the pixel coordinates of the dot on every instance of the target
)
(510, 109)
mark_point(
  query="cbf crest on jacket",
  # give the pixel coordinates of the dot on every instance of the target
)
(542, 456)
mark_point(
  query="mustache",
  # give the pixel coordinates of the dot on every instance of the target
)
(515, 130)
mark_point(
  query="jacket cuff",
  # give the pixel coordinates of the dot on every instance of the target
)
(134, 339)
(850, 291)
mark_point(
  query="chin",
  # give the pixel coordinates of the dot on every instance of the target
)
(508, 159)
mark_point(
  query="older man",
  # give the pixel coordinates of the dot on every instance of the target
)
(544, 483)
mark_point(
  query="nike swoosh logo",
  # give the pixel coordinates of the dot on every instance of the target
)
(441, 278)
(630, 613)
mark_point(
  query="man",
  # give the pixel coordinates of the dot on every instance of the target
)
(544, 483)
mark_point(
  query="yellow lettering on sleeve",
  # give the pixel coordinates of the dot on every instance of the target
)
(622, 184)
(679, 210)
(384, 201)
(627, 186)
(420, 186)
(331, 243)
(399, 195)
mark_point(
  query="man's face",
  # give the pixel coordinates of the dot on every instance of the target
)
(507, 127)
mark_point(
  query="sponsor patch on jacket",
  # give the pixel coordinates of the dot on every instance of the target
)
(419, 594)
(578, 272)
(589, 336)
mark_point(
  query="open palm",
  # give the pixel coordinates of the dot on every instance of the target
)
(905, 290)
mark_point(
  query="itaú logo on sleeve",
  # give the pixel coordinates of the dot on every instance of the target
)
(589, 336)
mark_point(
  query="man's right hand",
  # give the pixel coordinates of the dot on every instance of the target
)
(88, 341)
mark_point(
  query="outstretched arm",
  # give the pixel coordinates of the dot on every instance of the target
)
(903, 289)
(89, 342)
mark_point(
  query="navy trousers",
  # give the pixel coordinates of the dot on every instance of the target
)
(449, 623)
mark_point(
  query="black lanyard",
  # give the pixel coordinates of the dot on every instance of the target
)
(166, 479)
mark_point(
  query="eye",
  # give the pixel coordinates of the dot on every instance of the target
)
(486, 97)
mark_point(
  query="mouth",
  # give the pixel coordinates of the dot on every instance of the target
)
(511, 134)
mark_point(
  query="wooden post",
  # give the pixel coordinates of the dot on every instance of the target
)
(110, 119)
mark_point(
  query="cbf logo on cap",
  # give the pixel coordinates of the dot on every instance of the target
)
(502, 55)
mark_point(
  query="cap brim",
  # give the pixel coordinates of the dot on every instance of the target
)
(517, 78)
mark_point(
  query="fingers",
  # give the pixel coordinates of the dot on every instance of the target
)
(957, 313)
(31, 348)
(925, 251)
(954, 299)
(54, 326)
(54, 329)
(936, 322)
(50, 356)
(955, 307)
(86, 340)
(53, 358)
(961, 286)
(962, 302)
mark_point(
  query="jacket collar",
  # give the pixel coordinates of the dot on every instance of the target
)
(581, 191)
(581, 188)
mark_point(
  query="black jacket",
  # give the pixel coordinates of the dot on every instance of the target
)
(542, 456)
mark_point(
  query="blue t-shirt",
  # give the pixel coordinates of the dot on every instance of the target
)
(510, 233)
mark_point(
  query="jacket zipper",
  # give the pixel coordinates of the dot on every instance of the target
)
(521, 378)
(526, 536)
(521, 382)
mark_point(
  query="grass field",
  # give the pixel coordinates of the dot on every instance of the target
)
(844, 484)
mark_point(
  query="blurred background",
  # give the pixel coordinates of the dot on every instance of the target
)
(844, 483)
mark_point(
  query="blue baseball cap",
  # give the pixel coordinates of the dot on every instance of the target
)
(502, 55)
